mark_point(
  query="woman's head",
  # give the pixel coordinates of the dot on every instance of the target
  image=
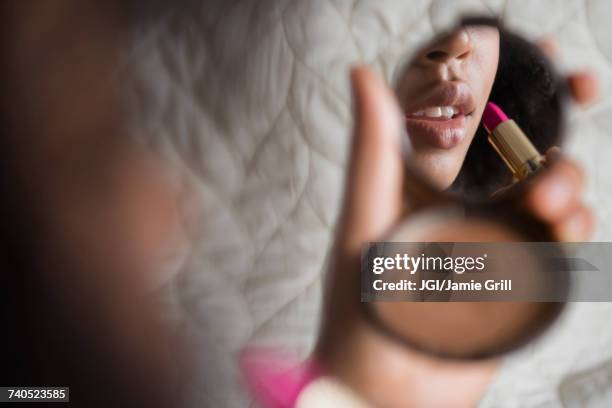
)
(443, 93)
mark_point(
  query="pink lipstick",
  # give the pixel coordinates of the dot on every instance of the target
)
(510, 142)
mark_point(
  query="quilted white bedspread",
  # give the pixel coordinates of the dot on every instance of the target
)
(251, 99)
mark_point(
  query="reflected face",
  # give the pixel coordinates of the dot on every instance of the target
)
(443, 94)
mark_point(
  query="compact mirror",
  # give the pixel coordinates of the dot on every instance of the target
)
(455, 161)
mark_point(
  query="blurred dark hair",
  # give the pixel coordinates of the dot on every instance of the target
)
(527, 89)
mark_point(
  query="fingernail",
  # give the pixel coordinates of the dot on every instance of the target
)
(553, 154)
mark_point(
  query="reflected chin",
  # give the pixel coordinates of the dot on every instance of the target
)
(439, 167)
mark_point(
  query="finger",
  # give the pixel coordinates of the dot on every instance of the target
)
(549, 46)
(583, 87)
(556, 191)
(373, 196)
(577, 226)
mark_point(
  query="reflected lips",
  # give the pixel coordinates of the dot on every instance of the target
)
(439, 118)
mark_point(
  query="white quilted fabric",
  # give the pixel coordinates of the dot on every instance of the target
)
(252, 99)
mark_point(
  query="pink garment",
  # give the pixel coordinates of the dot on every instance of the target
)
(276, 379)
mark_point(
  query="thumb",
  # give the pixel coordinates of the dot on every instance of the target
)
(373, 195)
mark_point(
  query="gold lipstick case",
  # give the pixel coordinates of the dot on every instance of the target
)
(515, 148)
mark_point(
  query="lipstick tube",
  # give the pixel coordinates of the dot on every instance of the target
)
(509, 141)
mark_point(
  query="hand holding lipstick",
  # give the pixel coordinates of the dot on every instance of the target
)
(383, 371)
(555, 197)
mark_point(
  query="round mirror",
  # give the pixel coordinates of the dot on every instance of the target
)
(482, 106)
(444, 90)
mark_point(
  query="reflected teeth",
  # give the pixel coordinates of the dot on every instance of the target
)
(437, 112)
(447, 111)
(434, 112)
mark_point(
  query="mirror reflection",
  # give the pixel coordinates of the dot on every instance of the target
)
(444, 90)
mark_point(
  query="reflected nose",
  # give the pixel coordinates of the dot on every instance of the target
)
(456, 46)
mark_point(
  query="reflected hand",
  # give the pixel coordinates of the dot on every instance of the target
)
(555, 198)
